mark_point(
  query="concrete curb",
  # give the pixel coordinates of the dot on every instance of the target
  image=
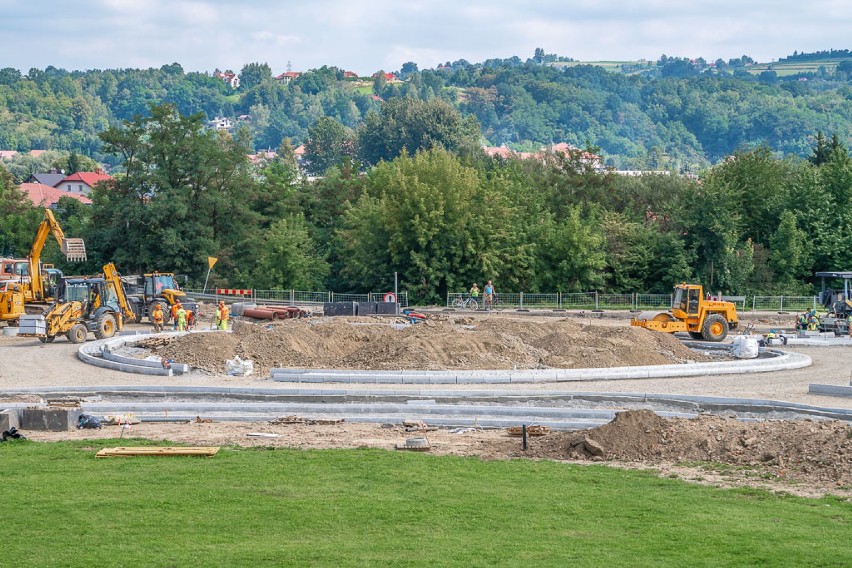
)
(98, 353)
(830, 390)
(777, 361)
(324, 398)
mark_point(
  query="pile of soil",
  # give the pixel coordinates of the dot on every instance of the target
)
(815, 451)
(436, 344)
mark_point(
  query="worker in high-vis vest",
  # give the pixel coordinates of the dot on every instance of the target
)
(157, 317)
(222, 315)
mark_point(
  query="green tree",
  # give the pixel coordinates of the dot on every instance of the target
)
(427, 218)
(18, 218)
(185, 195)
(329, 142)
(290, 259)
(414, 125)
(788, 253)
(253, 74)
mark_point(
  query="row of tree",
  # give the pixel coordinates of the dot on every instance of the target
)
(443, 219)
(681, 117)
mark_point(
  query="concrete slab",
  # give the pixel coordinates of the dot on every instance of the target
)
(50, 419)
(9, 418)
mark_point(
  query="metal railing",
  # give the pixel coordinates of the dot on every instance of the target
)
(784, 303)
(299, 297)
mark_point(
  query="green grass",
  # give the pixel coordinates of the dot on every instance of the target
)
(785, 68)
(261, 507)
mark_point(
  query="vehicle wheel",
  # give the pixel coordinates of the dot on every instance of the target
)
(167, 313)
(106, 327)
(696, 335)
(474, 305)
(715, 328)
(137, 312)
(458, 303)
(77, 334)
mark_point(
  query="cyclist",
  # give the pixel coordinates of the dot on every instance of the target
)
(474, 291)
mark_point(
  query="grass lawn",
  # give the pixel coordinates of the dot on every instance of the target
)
(262, 507)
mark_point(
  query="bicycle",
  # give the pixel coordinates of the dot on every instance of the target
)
(465, 304)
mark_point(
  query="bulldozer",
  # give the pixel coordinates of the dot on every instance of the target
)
(27, 281)
(157, 288)
(97, 304)
(709, 320)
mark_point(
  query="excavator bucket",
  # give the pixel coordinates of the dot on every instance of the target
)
(74, 249)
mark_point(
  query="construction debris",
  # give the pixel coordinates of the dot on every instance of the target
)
(415, 445)
(158, 451)
(309, 421)
(533, 430)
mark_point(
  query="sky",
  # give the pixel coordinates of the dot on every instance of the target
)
(362, 36)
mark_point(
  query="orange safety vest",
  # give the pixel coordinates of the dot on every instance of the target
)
(157, 314)
(223, 313)
(175, 309)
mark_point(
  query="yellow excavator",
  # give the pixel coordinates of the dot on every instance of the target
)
(709, 320)
(37, 285)
(96, 304)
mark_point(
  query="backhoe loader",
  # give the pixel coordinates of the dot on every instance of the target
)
(709, 320)
(96, 304)
(35, 283)
(157, 288)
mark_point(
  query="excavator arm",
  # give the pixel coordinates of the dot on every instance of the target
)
(74, 250)
(113, 280)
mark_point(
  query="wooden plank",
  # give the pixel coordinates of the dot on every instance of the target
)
(159, 451)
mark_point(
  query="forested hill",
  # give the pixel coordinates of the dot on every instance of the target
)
(675, 113)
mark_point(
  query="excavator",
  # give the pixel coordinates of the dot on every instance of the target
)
(38, 284)
(709, 320)
(96, 304)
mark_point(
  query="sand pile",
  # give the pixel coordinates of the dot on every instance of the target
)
(449, 343)
(806, 449)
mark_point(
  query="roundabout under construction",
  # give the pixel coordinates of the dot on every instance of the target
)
(333, 382)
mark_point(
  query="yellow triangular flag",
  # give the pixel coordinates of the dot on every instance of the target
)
(211, 260)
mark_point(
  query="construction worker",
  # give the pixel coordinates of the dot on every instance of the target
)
(157, 317)
(180, 320)
(175, 307)
(190, 320)
(222, 316)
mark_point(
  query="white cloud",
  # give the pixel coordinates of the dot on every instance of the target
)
(365, 36)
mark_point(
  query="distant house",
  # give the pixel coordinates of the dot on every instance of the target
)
(505, 153)
(350, 75)
(230, 78)
(81, 183)
(389, 77)
(288, 76)
(46, 196)
(220, 123)
(262, 156)
(51, 178)
(299, 152)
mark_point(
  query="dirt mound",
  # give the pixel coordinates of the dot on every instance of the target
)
(438, 344)
(801, 449)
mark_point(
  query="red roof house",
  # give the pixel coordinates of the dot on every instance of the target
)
(45, 196)
(82, 183)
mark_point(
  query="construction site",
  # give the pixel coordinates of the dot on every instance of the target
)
(670, 390)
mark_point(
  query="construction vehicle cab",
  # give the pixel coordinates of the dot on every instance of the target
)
(705, 319)
(835, 297)
(157, 288)
(96, 304)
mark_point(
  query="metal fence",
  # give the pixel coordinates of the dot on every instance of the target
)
(300, 297)
(784, 303)
(633, 301)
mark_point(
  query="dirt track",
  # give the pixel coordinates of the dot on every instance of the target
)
(26, 362)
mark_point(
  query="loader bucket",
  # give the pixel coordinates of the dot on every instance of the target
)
(74, 249)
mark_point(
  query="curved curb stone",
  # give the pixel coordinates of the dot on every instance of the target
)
(778, 361)
(99, 353)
